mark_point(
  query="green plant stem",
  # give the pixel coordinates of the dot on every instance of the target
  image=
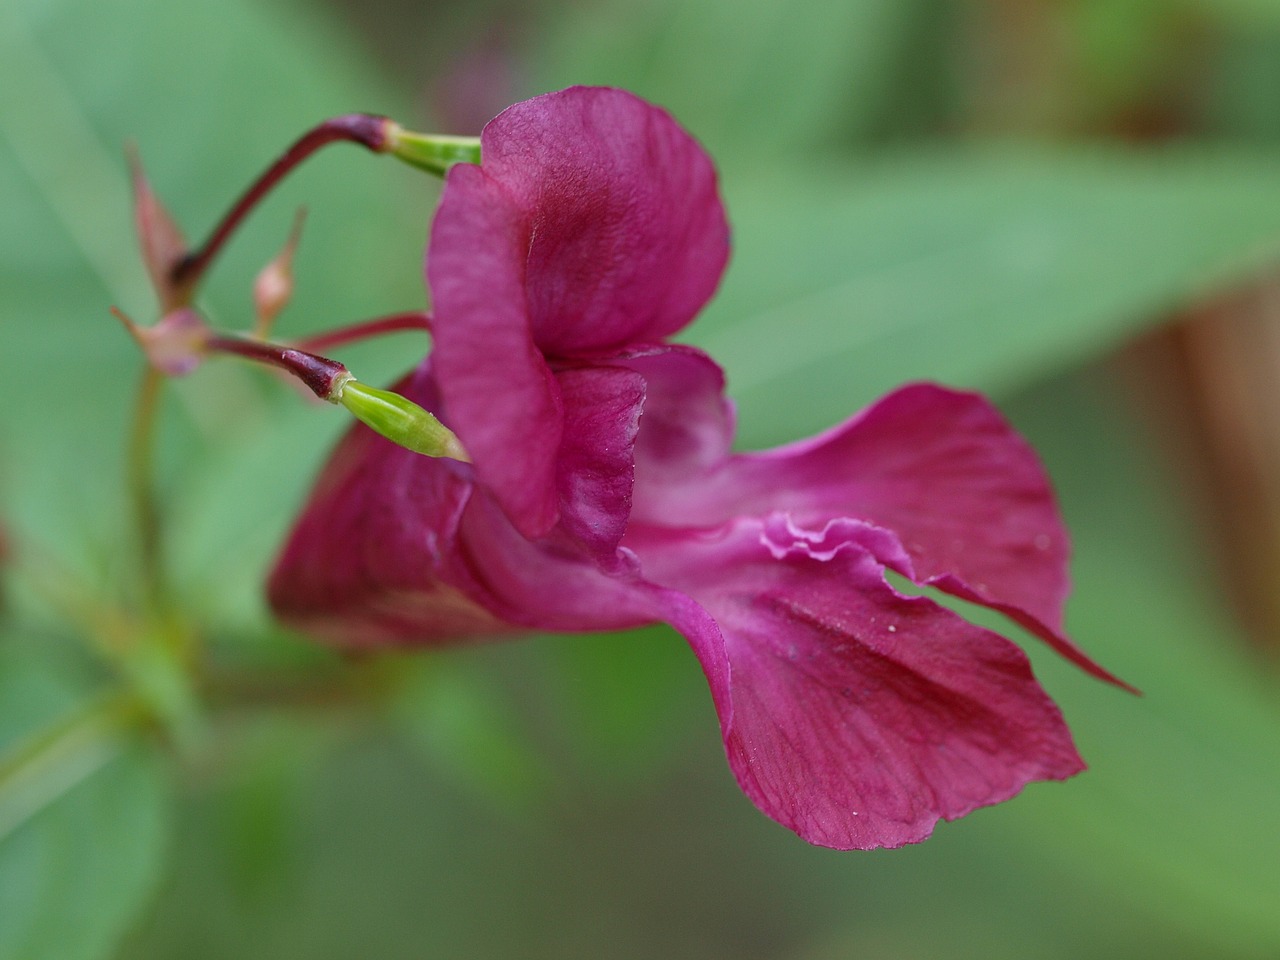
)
(46, 765)
(142, 495)
(366, 130)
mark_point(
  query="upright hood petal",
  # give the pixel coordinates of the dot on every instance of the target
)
(592, 224)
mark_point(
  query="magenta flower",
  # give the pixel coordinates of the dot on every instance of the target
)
(603, 495)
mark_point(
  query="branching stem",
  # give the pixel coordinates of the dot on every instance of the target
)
(361, 128)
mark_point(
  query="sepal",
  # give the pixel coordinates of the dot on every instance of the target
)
(175, 345)
(163, 246)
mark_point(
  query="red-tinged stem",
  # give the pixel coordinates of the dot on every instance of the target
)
(320, 374)
(362, 128)
(394, 323)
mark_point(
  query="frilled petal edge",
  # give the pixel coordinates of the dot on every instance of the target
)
(961, 498)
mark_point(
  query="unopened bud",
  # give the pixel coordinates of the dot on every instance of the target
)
(274, 285)
(399, 420)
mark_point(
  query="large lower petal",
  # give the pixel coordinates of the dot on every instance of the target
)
(852, 714)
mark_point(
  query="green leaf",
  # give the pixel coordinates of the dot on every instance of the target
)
(207, 113)
(1175, 815)
(85, 818)
(746, 77)
(986, 269)
(460, 719)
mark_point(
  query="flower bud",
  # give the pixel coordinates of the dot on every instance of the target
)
(175, 345)
(273, 287)
(399, 420)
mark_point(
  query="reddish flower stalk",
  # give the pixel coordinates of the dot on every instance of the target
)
(395, 323)
(321, 375)
(400, 420)
(367, 130)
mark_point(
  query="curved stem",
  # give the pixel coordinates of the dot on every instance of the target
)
(396, 322)
(321, 375)
(365, 129)
(46, 765)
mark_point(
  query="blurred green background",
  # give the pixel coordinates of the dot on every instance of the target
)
(1073, 205)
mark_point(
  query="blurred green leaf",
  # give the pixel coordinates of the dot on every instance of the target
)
(88, 850)
(752, 77)
(469, 732)
(986, 269)
(622, 701)
(209, 94)
(1176, 814)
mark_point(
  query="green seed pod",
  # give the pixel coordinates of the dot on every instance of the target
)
(399, 420)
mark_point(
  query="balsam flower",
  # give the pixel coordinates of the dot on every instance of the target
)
(603, 495)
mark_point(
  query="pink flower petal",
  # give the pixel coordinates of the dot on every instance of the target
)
(595, 469)
(394, 547)
(687, 425)
(851, 714)
(366, 561)
(970, 508)
(627, 235)
(504, 403)
(592, 224)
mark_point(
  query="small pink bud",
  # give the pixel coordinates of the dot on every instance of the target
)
(274, 285)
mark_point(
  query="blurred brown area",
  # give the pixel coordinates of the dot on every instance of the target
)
(1208, 385)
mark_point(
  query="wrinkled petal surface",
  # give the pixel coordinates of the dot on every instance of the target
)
(595, 470)
(593, 223)
(854, 715)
